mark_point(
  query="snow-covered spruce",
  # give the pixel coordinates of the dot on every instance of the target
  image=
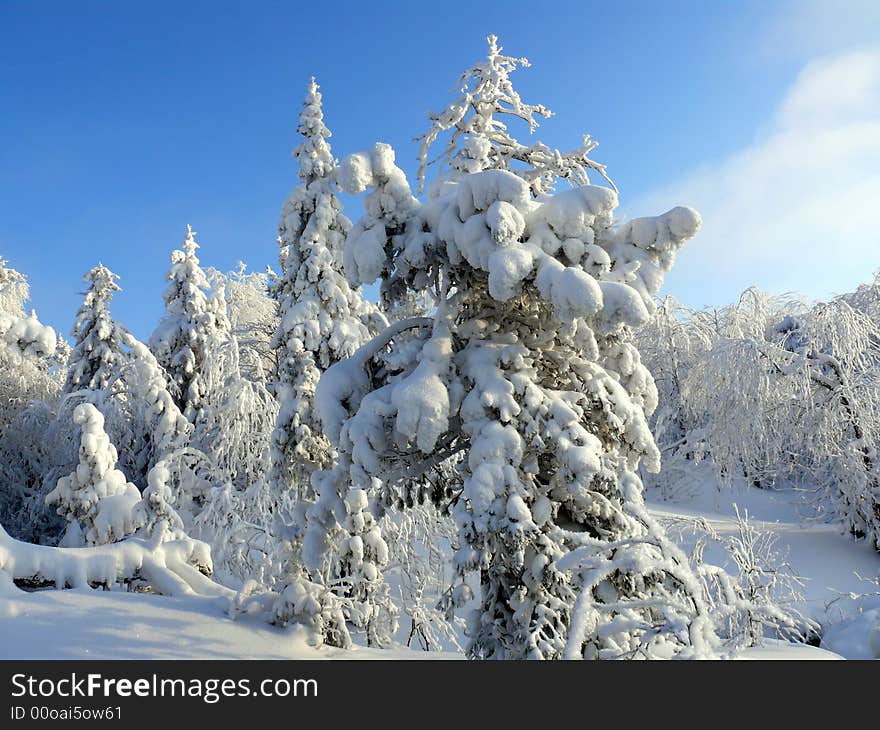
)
(97, 338)
(321, 316)
(159, 517)
(528, 370)
(191, 318)
(98, 502)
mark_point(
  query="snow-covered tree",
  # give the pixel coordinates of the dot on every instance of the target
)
(670, 345)
(14, 289)
(97, 350)
(236, 419)
(798, 403)
(480, 140)
(321, 315)
(159, 517)
(192, 317)
(253, 315)
(32, 362)
(527, 371)
(97, 500)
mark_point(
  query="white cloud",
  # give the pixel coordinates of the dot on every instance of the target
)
(799, 209)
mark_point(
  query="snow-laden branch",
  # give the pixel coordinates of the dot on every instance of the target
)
(174, 568)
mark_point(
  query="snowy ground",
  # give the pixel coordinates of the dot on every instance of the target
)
(85, 624)
(82, 624)
(832, 564)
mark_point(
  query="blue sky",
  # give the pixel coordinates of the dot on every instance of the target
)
(122, 122)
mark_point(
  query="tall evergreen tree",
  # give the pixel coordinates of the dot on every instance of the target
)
(321, 315)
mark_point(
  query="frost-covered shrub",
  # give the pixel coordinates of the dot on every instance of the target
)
(97, 501)
(234, 424)
(760, 591)
(26, 455)
(527, 371)
(670, 344)
(420, 539)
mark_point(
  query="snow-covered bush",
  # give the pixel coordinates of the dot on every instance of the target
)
(316, 607)
(97, 501)
(527, 371)
(27, 453)
(761, 590)
(420, 537)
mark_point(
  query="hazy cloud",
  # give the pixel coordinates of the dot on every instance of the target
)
(798, 209)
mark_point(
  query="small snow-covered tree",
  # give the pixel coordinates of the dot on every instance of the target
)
(359, 564)
(160, 519)
(192, 316)
(527, 371)
(321, 316)
(97, 350)
(97, 500)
